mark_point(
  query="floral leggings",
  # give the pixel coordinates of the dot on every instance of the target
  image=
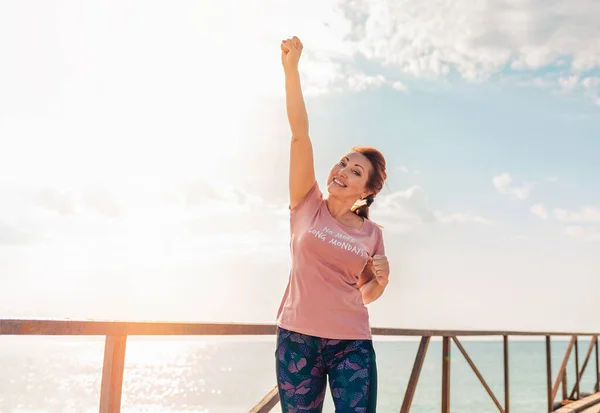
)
(304, 362)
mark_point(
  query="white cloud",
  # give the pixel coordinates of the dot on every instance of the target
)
(405, 170)
(326, 76)
(358, 82)
(588, 86)
(131, 213)
(194, 193)
(539, 210)
(502, 181)
(584, 234)
(399, 86)
(405, 210)
(101, 201)
(15, 235)
(569, 82)
(51, 199)
(91, 198)
(583, 215)
(430, 38)
(461, 218)
(546, 82)
(504, 185)
(413, 39)
(362, 82)
(590, 83)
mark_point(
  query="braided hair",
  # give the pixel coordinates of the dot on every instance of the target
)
(375, 182)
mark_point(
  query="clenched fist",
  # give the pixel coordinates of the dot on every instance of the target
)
(291, 49)
(381, 269)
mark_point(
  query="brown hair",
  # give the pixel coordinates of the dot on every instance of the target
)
(376, 179)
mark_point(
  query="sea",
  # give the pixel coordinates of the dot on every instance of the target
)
(231, 374)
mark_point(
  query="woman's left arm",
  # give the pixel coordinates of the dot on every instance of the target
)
(374, 279)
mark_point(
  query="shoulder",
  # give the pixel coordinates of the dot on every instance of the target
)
(374, 228)
(375, 232)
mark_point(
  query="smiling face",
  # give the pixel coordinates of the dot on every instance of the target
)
(348, 178)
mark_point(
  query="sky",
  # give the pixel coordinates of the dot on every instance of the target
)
(144, 145)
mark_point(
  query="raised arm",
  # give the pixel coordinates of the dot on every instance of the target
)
(302, 170)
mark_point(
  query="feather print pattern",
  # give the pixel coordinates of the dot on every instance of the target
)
(305, 363)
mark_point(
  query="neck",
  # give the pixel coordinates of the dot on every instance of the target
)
(338, 208)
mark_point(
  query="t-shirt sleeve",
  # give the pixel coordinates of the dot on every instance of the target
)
(310, 202)
(379, 245)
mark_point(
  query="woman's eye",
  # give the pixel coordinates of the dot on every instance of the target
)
(357, 173)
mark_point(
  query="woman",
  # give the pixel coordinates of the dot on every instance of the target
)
(338, 266)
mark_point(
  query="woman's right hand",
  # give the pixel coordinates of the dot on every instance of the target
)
(291, 49)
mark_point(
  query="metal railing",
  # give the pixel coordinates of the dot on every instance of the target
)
(116, 337)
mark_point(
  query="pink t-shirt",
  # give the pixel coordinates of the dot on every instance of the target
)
(322, 298)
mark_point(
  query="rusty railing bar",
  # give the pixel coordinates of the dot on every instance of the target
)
(585, 363)
(478, 374)
(506, 376)
(118, 328)
(549, 373)
(116, 333)
(446, 375)
(414, 375)
(112, 374)
(562, 372)
(123, 328)
(267, 403)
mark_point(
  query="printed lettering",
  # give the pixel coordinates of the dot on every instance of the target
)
(345, 237)
(318, 234)
(347, 246)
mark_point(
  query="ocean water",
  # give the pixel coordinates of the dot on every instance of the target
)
(226, 375)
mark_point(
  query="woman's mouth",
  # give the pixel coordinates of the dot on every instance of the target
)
(339, 183)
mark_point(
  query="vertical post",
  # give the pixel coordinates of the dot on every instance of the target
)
(577, 366)
(597, 389)
(414, 376)
(506, 377)
(565, 395)
(549, 373)
(446, 375)
(112, 374)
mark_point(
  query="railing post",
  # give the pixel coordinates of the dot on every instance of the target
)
(597, 388)
(414, 375)
(112, 374)
(268, 402)
(562, 373)
(549, 373)
(580, 373)
(446, 375)
(577, 367)
(506, 379)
